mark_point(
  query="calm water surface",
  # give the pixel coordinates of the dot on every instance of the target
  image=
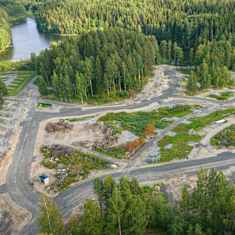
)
(26, 39)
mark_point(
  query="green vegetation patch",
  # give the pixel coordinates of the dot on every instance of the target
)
(16, 11)
(136, 122)
(179, 147)
(5, 32)
(185, 71)
(22, 79)
(43, 105)
(116, 152)
(114, 71)
(226, 138)
(148, 211)
(70, 165)
(7, 65)
(79, 119)
(222, 96)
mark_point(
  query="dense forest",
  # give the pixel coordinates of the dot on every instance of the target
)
(11, 12)
(182, 29)
(5, 35)
(189, 22)
(3, 92)
(126, 208)
(212, 62)
(15, 10)
(96, 64)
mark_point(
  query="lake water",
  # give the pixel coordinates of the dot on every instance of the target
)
(26, 39)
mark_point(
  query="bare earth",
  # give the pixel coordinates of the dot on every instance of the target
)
(7, 158)
(20, 217)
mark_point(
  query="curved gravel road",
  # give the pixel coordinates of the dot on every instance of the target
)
(22, 193)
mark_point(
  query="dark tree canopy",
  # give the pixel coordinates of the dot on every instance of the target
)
(188, 22)
(212, 61)
(184, 29)
(109, 63)
(5, 35)
(127, 208)
(11, 12)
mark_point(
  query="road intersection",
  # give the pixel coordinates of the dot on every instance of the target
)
(21, 191)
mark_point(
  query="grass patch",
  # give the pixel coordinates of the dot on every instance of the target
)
(186, 133)
(99, 100)
(225, 138)
(7, 65)
(95, 100)
(43, 105)
(22, 79)
(79, 119)
(117, 152)
(222, 96)
(136, 122)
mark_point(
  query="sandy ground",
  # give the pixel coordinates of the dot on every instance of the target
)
(175, 185)
(20, 216)
(81, 132)
(4, 166)
(84, 131)
(20, 108)
(38, 169)
(7, 159)
(155, 86)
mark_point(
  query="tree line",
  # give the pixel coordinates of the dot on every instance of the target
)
(188, 23)
(11, 12)
(183, 30)
(212, 62)
(126, 208)
(96, 64)
(15, 10)
(5, 34)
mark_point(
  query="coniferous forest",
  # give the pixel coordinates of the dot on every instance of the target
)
(5, 36)
(96, 64)
(11, 12)
(126, 208)
(191, 32)
(107, 50)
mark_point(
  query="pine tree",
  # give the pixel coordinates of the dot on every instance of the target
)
(42, 85)
(91, 220)
(192, 83)
(114, 215)
(50, 219)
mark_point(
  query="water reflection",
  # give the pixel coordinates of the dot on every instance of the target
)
(26, 40)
